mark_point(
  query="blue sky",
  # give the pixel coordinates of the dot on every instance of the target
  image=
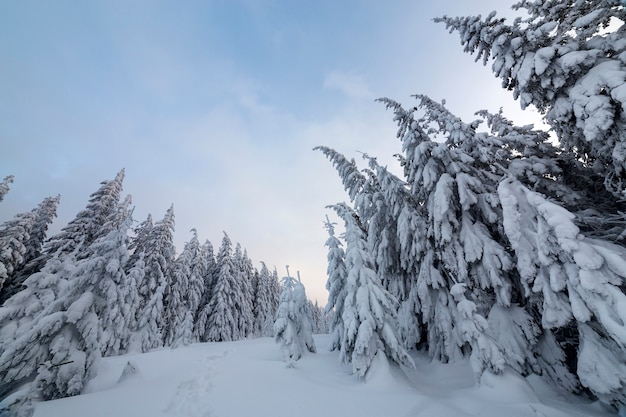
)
(215, 106)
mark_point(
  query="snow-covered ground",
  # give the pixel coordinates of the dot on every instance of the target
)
(248, 378)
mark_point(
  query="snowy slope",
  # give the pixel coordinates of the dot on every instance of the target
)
(248, 378)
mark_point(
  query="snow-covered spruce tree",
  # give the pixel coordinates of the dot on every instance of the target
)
(263, 309)
(139, 240)
(102, 272)
(252, 283)
(276, 290)
(226, 299)
(158, 258)
(449, 232)
(285, 326)
(4, 186)
(411, 237)
(62, 256)
(89, 223)
(305, 328)
(183, 295)
(197, 273)
(380, 209)
(21, 240)
(503, 272)
(456, 185)
(54, 330)
(292, 328)
(336, 283)
(244, 272)
(208, 276)
(177, 291)
(369, 311)
(13, 236)
(21, 351)
(573, 279)
(132, 303)
(83, 229)
(316, 314)
(568, 59)
(433, 287)
(45, 213)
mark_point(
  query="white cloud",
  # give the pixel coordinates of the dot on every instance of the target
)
(352, 85)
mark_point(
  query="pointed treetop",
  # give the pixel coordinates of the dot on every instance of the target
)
(330, 226)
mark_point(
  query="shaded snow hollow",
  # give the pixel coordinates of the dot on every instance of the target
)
(248, 378)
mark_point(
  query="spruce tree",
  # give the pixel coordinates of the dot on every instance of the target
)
(369, 311)
(140, 240)
(226, 298)
(158, 259)
(197, 273)
(45, 213)
(89, 223)
(183, 296)
(275, 291)
(263, 309)
(292, 328)
(21, 240)
(244, 272)
(336, 283)
(83, 229)
(54, 331)
(13, 236)
(32, 324)
(207, 268)
(177, 290)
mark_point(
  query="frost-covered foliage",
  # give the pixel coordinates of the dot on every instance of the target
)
(485, 244)
(184, 294)
(336, 283)
(207, 271)
(34, 324)
(13, 237)
(158, 259)
(318, 318)
(139, 242)
(369, 311)
(71, 312)
(292, 328)
(564, 59)
(244, 276)
(264, 305)
(21, 240)
(579, 280)
(90, 222)
(178, 293)
(4, 186)
(79, 233)
(51, 329)
(103, 269)
(197, 273)
(223, 320)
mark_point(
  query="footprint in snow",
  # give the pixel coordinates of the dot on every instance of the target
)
(192, 395)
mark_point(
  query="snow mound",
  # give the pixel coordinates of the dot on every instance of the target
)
(385, 375)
